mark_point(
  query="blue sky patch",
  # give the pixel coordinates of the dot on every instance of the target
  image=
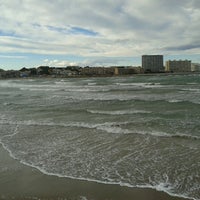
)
(9, 34)
(57, 29)
(73, 30)
(79, 30)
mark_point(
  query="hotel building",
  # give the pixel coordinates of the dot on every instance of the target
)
(152, 63)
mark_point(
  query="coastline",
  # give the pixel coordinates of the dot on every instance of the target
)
(99, 72)
(18, 181)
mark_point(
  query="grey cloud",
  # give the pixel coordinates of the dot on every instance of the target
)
(117, 24)
(182, 47)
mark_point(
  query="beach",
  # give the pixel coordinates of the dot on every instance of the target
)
(23, 182)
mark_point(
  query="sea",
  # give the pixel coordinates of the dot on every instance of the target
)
(138, 131)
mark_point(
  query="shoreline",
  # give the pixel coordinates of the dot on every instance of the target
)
(99, 76)
(19, 181)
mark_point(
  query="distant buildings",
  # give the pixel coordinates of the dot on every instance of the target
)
(96, 71)
(195, 67)
(127, 70)
(109, 71)
(9, 74)
(178, 66)
(152, 63)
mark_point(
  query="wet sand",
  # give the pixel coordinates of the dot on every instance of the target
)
(20, 182)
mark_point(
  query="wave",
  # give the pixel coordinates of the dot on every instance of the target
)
(168, 135)
(46, 86)
(186, 136)
(39, 89)
(193, 83)
(144, 85)
(7, 103)
(109, 127)
(118, 112)
(66, 88)
(57, 86)
(192, 101)
(92, 83)
(2, 117)
(94, 96)
(154, 133)
(174, 101)
(196, 90)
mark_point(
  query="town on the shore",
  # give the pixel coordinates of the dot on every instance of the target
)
(150, 64)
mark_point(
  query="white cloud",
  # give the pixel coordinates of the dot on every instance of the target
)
(13, 57)
(59, 63)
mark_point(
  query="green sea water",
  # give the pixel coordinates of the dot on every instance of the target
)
(137, 131)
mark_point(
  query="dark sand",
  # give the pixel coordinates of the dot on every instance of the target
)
(20, 182)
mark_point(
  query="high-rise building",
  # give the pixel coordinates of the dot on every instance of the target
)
(152, 63)
(178, 66)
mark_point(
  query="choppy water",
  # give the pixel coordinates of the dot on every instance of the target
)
(140, 131)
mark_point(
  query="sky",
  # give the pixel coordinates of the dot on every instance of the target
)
(96, 32)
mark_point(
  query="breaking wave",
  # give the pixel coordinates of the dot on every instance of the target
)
(118, 112)
(109, 127)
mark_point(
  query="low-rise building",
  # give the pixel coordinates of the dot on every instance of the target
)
(62, 72)
(195, 67)
(9, 74)
(126, 70)
(178, 66)
(97, 71)
(24, 72)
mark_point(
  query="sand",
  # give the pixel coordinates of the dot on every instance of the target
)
(20, 182)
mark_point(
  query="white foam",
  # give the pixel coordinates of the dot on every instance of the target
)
(159, 187)
(144, 85)
(154, 133)
(109, 127)
(118, 112)
(83, 198)
(186, 136)
(193, 83)
(92, 83)
(113, 129)
(175, 101)
(7, 103)
(164, 134)
(196, 90)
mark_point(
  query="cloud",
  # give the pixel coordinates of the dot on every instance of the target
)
(72, 30)
(183, 47)
(59, 63)
(79, 30)
(114, 28)
(90, 61)
(13, 57)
